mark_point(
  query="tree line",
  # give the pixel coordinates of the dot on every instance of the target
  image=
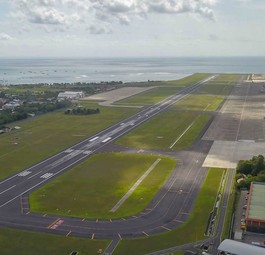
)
(23, 111)
(252, 170)
(82, 111)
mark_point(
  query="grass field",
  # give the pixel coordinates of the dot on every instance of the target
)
(149, 97)
(43, 136)
(191, 231)
(210, 96)
(186, 81)
(99, 183)
(163, 90)
(163, 130)
(24, 243)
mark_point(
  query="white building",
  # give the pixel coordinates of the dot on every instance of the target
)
(70, 95)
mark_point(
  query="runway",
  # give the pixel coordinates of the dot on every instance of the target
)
(169, 209)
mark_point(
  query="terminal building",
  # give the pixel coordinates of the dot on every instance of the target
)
(255, 213)
(232, 247)
(70, 95)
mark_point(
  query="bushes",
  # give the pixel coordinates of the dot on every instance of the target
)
(252, 170)
(82, 111)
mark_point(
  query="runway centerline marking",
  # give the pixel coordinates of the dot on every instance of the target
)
(133, 188)
(34, 175)
(8, 189)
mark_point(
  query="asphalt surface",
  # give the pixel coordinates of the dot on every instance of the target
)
(169, 209)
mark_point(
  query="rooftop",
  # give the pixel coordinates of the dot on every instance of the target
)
(238, 248)
(256, 208)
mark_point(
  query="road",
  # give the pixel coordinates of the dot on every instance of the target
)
(163, 213)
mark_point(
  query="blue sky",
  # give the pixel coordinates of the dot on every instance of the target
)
(117, 28)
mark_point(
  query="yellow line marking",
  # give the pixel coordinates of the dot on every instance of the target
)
(53, 223)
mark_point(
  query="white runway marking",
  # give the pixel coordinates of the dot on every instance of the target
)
(87, 152)
(68, 151)
(132, 189)
(8, 189)
(34, 175)
(24, 173)
(172, 145)
(47, 175)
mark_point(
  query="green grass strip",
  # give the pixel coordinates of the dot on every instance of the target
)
(91, 189)
(45, 135)
(21, 242)
(192, 230)
(164, 129)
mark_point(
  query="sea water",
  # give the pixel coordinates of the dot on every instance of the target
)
(42, 70)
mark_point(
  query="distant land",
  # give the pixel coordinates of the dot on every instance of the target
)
(48, 70)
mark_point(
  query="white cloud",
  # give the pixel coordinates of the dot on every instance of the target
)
(72, 12)
(5, 37)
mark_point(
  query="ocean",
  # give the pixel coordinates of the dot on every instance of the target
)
(42, 70)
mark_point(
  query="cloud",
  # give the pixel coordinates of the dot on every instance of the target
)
(5, 37)
(97, 30)
(72, 12)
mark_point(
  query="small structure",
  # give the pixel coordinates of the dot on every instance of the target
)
(237, 248)
(255, 213)
(70, 95)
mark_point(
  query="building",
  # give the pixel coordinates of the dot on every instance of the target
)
(70, 95)
(232, 247)
(255, 213)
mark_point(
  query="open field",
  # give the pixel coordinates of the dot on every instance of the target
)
(192, 230)
(210, 96)
(45, 135)
(25, 242)
(149, 97)
(186, 81)
(100, 182)
(163, 130)
(164, 89)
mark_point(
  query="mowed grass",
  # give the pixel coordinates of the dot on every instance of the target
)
(45, 135)
(92, 189)
(192, 230)
(210, 96)
(162, 90)
(149, 97)
(164, 129)
(25, 242)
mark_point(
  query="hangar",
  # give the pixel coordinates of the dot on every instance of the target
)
(232, 247)
(255, 214)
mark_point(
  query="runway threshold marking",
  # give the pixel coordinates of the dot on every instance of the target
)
(46, 176)
(24, 173)
(133, 188)
(8, 189)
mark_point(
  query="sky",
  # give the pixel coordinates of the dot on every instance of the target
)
(131, 28)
